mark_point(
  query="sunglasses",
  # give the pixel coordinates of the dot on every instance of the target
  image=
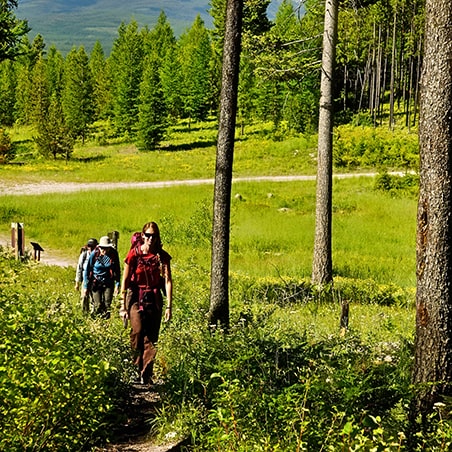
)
(148, 235)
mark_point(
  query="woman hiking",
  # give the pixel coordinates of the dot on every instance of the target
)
(147, 271)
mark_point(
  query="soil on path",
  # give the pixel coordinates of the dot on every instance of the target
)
(10, 188)
(134, 433)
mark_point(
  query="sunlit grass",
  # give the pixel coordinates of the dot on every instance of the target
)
(188, 153)
(272, 226)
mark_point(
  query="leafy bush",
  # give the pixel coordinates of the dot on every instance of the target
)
(398, 185)
(367, 147)
(60, 375)
(6, 147)
(260, 389)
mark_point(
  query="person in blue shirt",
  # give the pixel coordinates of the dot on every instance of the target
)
(102, 276)
(85, 252)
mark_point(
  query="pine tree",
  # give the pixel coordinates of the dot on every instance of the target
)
(101, 82)
(171, 79)
(160, 40)
(126, 66)
(54, 137)
(77, 96)
(153, 122)
(55, 70)
(12, 31)
(8, 84)
(195, 53)
(39, 93)
(22, 96)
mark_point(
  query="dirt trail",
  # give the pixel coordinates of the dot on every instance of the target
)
(48, 256)
(133, 435)
(10, 188)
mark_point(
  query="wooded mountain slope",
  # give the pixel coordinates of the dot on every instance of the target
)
(66, 23)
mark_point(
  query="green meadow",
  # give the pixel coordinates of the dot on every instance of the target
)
(285, 377)
(272, 223)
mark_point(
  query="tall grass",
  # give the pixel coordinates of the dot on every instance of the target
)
(285, 378)
(272, 226)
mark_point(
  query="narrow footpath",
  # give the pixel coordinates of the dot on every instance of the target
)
(134, 433)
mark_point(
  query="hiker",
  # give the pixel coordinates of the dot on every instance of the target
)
(79, 273)
(102, 277)
(147, 272)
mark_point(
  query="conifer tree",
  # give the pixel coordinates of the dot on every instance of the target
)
(126, 66)
(160, 40)
(101, 82)
(195, 53)
(171, 80)
(152, 112)
(77, 96)
(39, 93)
(54, 137)
(7, 93)
(12, 31)
(55, 70)
(22, 97)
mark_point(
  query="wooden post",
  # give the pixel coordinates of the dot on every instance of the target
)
(114, 237)
(18, 239)
(345, 310)
(36, 251)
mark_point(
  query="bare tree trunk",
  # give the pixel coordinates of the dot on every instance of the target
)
(393, 69)
(418, 72)
(373, 75)
(432, 372)
(322, 268)
(219, 284)
(378, 78)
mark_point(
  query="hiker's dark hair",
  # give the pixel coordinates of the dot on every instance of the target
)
(152, 225)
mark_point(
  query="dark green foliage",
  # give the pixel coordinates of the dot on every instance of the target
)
(6, 147)
(59, 380)
(152, 115)
(12, 31)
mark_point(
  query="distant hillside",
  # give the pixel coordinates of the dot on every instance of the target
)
(66, 23)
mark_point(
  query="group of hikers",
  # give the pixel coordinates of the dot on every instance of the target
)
(146, 278)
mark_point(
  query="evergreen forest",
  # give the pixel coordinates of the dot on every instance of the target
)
(152, 78)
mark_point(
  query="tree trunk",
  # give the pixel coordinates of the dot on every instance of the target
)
(432, 373)
(393, 69)
(219, 284)
(322, 271)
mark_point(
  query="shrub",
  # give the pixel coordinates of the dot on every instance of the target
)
(367, 147)
(60, 376)
(396, 185)
(6, 147)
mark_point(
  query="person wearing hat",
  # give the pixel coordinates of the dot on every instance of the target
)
(81, 266)
(102, 276)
